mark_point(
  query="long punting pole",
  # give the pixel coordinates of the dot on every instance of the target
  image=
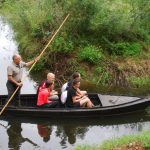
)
(35, 62)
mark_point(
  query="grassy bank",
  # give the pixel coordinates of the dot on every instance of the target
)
(142, 139)
(107, 41)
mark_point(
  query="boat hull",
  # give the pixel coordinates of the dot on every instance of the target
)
(63, 112)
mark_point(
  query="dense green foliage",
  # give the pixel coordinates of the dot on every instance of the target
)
(95, 30)
(90, 54)
(127, 49)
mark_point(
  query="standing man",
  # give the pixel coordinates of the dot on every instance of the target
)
(14, 72)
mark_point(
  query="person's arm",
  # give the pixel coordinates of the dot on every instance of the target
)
(75, 99)
(53, 93)
(10, 78)
(32, 61)
(82, 93)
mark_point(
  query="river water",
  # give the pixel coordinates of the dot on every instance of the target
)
(38, 134)
(8, 47)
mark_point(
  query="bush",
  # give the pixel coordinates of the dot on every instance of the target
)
(127, 49)
(98, 22)
(139, 81)
(99, 70)
(63, 45)
(90, 54)
(102, 76)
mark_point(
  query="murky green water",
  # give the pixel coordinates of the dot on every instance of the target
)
(26, 133)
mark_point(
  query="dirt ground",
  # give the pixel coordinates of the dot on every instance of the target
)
(131, 146)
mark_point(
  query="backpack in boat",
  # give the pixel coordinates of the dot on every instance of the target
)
(64, 87)
(63, 97)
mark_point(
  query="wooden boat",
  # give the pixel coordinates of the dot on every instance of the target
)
(105, 105)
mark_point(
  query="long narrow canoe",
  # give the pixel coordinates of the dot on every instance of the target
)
(105, 105)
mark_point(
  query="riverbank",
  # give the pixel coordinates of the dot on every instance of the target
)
(106, 41)
(132, 142)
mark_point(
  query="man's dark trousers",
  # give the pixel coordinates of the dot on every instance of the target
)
(11, 87)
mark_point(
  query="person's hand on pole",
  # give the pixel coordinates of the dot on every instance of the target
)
(20, 84)
(37, 59)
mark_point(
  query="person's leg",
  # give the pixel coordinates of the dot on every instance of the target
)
(83, 102)
(44, 106)
(53, 98)
(17, 98)
(10, 89)
(54, 104)
(86, 101)
(89, 104)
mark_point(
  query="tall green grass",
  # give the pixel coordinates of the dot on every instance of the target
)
(143, 138)
(139, 81)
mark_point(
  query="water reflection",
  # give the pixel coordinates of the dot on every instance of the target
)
(15, 138)
(44, 131)
(69, 133)
(14, 131)
(65, 134)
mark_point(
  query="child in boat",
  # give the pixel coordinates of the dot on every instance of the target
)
(75, 99)
(44, 94)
